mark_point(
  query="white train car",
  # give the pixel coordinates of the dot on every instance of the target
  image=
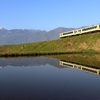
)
(89, 69)
(88, 29)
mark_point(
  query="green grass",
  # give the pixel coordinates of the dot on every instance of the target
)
(82, 43)
(82, 59)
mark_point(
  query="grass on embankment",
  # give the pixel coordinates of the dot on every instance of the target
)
(81, 43)
(92, 60)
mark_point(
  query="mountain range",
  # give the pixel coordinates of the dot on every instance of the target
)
(18, 36)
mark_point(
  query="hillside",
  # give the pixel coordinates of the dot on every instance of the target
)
(81, 43)
(92, 60)
(18, 36)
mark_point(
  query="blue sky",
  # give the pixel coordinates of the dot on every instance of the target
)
(48, 14)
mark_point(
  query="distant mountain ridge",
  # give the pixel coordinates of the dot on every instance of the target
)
(1, 28)
(18, 36)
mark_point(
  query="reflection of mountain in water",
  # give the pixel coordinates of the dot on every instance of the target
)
(71, 61)
(36, 61)
(89, 69)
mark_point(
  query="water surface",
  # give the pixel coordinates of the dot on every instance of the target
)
(42, 78)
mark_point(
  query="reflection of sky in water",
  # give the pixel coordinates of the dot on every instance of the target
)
(46, 82)
(20, 62)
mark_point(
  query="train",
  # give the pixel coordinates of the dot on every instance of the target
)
(79, 31)
(89, 69)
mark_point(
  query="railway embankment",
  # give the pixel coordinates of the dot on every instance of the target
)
(92, 60)
(87, 43)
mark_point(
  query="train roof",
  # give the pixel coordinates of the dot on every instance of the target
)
(81, 28)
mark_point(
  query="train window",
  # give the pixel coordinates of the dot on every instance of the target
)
(60, 34)
(79, 30)
(64, 33)
(75, 66)
(75, 31)
(90, 70)
(99, 26)
(67, 33)
(99, 72)
(66, 64)
(79, 67)
(89, 28)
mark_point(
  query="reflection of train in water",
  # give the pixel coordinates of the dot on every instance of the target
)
(81, 67)
(88, 29)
